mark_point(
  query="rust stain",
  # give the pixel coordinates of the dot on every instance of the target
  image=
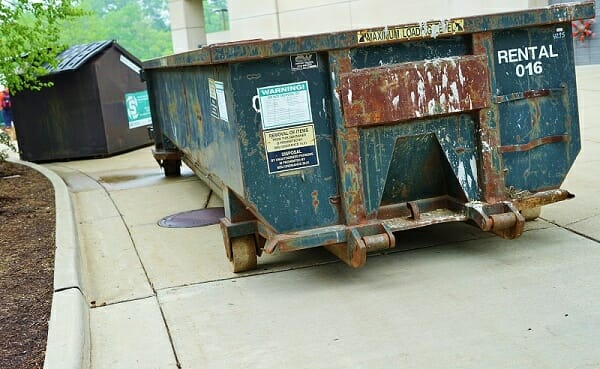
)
(414, 90)
(352, 171)
(198, 113)
(315, 200)
(534, 143)
(492, 167)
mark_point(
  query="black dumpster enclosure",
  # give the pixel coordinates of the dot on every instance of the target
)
(97, 106)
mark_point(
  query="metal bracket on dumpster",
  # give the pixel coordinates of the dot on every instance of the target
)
(502, 218)
(161, 155)
(532, 200)
(360, 241)
(169, 160)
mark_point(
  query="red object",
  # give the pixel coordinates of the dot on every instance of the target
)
(583, 29)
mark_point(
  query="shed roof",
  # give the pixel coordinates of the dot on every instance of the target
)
(77, 55)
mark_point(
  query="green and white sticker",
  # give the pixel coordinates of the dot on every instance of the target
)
(284, 105)
(138, 109)
(218, 104)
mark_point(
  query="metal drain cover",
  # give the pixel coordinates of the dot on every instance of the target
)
(193, 218)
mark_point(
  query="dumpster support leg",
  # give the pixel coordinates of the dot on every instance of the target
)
(360, 240)
(170, 161)
(502, 218)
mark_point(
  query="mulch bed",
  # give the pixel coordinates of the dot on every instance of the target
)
(27, 224)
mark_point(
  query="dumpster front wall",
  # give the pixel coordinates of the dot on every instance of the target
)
(63, 121)
(420, 160)
(417, 158)
(115, 79)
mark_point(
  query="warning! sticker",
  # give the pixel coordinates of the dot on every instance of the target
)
(431, 29)
(291, 148)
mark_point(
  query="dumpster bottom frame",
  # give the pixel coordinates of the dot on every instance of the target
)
(351, 244)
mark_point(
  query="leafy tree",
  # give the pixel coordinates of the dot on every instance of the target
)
(158, 12)
(141, 26)
(29, 39)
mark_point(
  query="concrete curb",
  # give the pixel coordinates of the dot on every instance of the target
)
(68, 345)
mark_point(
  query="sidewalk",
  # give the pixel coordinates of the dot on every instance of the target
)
(131, 294)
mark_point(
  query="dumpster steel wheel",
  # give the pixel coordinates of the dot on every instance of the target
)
(531, 213)
(244, 254)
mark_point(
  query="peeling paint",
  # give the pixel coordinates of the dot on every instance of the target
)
(416, 89)
(395, 101)
(473, 163)
(462, 176)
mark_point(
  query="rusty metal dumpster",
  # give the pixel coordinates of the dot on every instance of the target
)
(343, 140)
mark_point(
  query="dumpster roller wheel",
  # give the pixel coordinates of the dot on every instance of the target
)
(531, 213)
(243, 251)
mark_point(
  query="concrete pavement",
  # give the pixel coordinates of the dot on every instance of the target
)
(130, 294)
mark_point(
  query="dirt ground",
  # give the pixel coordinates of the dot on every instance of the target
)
(27, 223)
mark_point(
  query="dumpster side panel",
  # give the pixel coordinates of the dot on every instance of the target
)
(182, 112)
(289, 170)
(211, 125)
(537, 105)
(63, 121)
(115, 79)
(169, 87)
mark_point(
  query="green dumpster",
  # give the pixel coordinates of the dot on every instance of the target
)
(345, 139)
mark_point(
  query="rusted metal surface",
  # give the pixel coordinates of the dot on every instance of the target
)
(528, 200)
(415, 90)
(303, 239)
(256, 50)
(426, 219)
(491, 173)
(529, 94)
(347, 147)
(415, 125)
(502, 218)
(533, 144)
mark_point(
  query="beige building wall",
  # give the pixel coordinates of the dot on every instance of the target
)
(187, 24)
(267, 19)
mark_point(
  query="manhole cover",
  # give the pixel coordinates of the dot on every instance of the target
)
(193, 218)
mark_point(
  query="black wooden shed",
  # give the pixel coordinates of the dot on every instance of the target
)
(97, 106)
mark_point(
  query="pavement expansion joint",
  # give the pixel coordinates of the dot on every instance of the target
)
(254, 273)
(95, 305)
(566, 228)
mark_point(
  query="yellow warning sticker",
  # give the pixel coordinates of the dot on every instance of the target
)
(431, 29)
(291, 148)
(290, 138)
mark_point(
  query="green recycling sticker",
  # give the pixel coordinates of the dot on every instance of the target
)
(138, 109)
